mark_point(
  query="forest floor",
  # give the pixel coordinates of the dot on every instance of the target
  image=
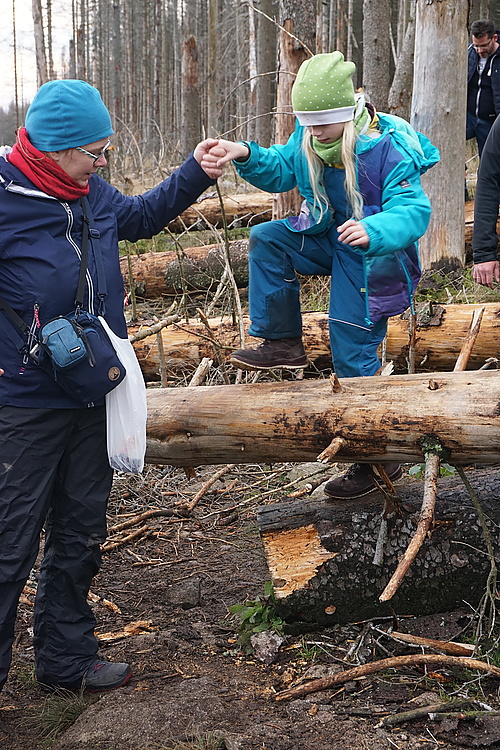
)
(162, 602)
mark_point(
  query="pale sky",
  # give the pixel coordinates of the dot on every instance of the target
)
(26, 71)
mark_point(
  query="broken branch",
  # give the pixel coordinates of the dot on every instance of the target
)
(432, 461)
(395, 662)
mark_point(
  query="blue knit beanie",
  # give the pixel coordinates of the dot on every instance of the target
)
(67, 113)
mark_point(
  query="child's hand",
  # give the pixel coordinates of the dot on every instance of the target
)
(208, 163)
(353, 233)
(228, 150)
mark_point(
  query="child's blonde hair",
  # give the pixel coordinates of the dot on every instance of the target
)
(348, 156)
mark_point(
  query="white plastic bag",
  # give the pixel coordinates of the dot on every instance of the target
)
(126, 411)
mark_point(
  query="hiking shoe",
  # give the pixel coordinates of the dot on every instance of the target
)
(285, 354)
(358, 481)
(105, 675)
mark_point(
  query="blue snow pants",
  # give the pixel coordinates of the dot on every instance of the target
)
(54, 472)
(276, 253)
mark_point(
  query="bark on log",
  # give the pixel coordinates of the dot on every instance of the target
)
(243, 209)
(380, 419)
(320, 553)
(439, 338)
(200, 268)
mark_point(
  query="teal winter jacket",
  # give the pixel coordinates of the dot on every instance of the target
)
(396, 210)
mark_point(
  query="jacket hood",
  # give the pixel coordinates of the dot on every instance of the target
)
(416, 145)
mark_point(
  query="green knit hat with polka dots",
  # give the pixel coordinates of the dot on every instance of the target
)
(323, 92)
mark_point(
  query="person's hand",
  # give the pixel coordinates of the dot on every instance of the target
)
(1, 371)
(353, 233)
(208, 163)
(228, 150)
(486, 273)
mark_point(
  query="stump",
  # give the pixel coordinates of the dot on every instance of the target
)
(320, 554)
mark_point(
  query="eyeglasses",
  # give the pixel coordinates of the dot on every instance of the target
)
(94, 157)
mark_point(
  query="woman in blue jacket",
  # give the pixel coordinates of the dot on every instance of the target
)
(363, 211)
(54, 468)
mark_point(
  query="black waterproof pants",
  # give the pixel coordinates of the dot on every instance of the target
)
(54, 470)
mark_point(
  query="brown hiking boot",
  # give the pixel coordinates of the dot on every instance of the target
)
(284, 354)
(358, 481)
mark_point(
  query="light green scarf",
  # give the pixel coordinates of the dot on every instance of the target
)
(330, 153)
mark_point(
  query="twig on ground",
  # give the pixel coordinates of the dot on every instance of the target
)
(108, 546)
(218, 474)
(152, 513)
(395, 662)
(448, 647)
(215, 344)
(417, 713)
(201, 372)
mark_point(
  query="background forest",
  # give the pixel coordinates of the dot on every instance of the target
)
(174, 71)
(171, 71)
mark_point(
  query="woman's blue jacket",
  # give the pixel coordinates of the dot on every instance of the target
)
(40, 240)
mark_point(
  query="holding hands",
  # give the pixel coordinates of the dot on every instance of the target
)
(221, 152)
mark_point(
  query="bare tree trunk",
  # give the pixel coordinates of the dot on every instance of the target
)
(441, 41)
(439, 338)
(190, 117)
(400, 93)
(329, 562)
(40, 49)
(14, 42)
(377, 51)
(252, 72)
(296, 42)
(212, 125)
(266, 62)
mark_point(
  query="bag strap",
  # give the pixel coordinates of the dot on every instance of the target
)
(88, 228)
(84, 260)
(18, 323)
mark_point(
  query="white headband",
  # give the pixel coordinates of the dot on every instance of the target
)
(325, 116)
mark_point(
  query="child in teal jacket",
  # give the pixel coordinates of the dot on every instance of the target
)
(363, 211)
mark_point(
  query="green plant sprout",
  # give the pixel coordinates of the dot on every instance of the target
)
(255, 616)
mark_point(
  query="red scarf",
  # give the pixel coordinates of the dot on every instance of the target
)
(43, 171)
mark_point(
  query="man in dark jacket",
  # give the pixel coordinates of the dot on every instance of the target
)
(54, 467)
(486, 202)
(483, 81)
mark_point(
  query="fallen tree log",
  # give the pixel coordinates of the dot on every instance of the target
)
(441, 331)
(375, 419)
(193, 268)
(241, 210)
(321, 554)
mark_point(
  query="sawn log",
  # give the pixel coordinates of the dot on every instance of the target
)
(375, 419)
(321, 554)
(193, 269)
(241, 210)
(441, 330)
